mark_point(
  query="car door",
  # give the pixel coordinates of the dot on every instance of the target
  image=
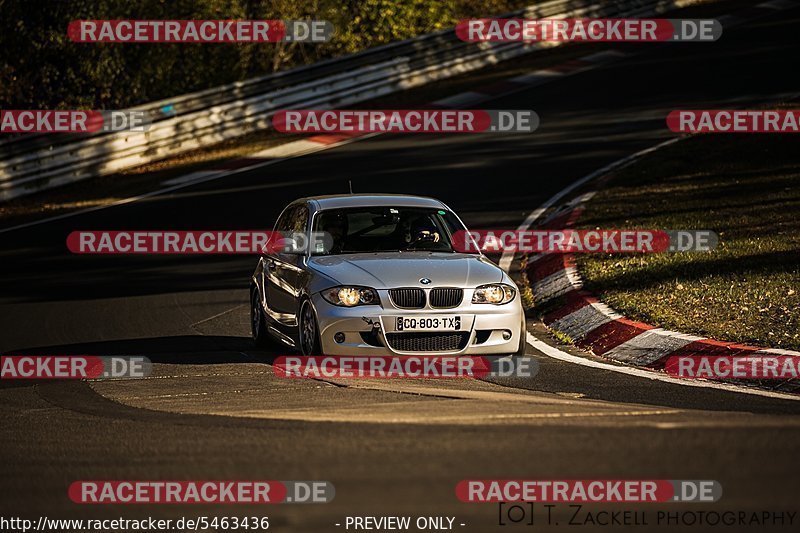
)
(283, 271)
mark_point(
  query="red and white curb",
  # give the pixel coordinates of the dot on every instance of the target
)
(590, 324)
(644, 373)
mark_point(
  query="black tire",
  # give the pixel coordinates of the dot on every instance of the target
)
(523, 340)
(308, 330)
(258, 323)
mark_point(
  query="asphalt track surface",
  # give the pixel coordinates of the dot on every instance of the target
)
(214, 410)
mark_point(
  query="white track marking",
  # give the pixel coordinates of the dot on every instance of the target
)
(555, 353)
(199, 179)
(212, 317)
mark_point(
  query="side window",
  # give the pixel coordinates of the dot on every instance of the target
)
(285, 221)
(299, 219)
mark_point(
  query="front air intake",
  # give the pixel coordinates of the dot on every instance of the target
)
(428, 341)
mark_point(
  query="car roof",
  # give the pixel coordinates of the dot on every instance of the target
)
(339, 201)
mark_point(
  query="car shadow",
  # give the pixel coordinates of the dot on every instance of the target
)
(181, 349)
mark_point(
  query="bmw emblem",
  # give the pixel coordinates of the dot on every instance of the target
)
(425, 281)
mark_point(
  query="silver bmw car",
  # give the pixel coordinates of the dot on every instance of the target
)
(386, 279)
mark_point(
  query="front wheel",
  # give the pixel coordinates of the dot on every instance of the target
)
(309, 330)
(258, 324)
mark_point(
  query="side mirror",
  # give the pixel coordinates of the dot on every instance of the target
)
(286, 243)
(288, 246)
(278, 244)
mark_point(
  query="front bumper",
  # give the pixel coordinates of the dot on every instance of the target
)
(365, 328)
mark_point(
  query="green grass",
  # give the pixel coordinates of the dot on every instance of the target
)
(525, 290)
(744, 187)
(563, 337)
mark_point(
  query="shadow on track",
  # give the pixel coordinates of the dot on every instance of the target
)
(177, 350)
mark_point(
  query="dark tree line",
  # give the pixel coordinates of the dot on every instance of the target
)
(41, 68)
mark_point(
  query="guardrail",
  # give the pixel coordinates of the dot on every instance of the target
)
(32, 163)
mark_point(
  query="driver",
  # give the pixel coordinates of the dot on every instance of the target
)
(423, 230)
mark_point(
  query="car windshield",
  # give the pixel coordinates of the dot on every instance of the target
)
(381, 229)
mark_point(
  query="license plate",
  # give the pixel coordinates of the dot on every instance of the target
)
(428, 323)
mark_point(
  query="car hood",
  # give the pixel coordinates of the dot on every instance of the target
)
(386, 270)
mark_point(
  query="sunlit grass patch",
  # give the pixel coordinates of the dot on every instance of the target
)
(744, 187)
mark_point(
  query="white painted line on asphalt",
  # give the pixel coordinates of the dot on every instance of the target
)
(555, 353)
(212, 317)
(200, 179)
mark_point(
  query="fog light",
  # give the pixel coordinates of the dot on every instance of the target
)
(339, 337)
(506, 334)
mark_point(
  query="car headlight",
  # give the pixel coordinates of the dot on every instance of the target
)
(351, 296)
(496, 293)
